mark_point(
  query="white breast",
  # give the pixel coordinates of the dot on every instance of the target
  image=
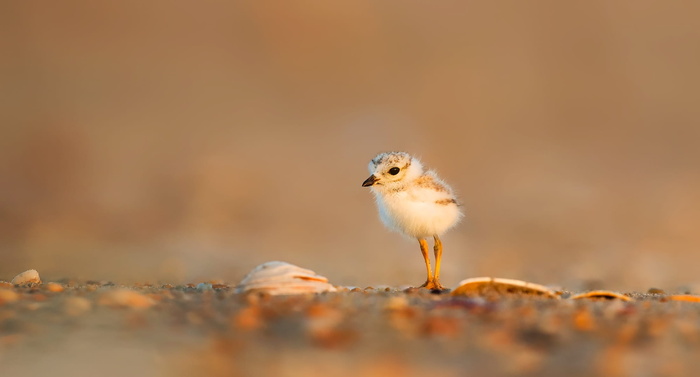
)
(416, 213)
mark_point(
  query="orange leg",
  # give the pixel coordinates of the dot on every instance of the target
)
(438, 259)
(424, 250)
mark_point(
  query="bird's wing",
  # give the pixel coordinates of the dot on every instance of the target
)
(430, 188)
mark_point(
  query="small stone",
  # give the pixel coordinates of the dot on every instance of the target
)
(322, 326)
(125, 298)
(39, 297)
(204, 287)
(441, 326)
(583, 320)
(54, 287)
(248, 319)
(8, 295)
(76, 306)
(10, 340)
(32, 306)
(194, 318)
(396, 303)
(7, 315)
(656, 291)
(27, 277)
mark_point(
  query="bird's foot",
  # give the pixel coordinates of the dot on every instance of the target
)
(433, 285)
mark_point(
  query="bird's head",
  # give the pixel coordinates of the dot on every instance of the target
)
(392, 169)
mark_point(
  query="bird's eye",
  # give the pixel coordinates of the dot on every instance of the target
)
(394, 171)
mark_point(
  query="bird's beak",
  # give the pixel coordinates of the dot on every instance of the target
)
(370, 181)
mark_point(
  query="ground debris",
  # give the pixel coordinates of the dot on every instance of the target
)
(220, 332)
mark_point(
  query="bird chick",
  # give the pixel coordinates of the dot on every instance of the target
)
(414, 202)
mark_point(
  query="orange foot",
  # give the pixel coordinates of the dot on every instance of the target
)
(433, 284)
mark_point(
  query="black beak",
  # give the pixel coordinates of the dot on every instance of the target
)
(370, 181)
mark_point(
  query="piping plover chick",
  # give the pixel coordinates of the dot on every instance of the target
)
(414, 202)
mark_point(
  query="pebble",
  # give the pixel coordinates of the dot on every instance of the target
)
(27, 277)
(54, 287)
(76, 306)
(248, 319)
(396, 303)
(125, 298)
(8, 295)
(322, 326)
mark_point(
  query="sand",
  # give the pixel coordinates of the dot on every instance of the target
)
(101, 328)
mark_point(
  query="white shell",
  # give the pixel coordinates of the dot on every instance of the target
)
(27, 277)
(282, 278)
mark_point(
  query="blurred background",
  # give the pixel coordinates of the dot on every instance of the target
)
(163, 142)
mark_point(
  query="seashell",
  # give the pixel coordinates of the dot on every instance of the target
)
(601, 295)
(686, 298)
(27, 277)
(282, 278)
(486, 286)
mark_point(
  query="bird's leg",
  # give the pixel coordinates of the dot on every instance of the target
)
(424, 250)
(438, 259)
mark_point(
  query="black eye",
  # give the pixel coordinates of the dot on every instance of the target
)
(394, 171)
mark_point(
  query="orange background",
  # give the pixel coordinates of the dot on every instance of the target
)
(181, 142)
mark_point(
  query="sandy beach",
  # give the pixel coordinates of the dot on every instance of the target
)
(153, 153)
(101, 328)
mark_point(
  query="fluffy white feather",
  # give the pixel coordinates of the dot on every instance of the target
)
(413, 202)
